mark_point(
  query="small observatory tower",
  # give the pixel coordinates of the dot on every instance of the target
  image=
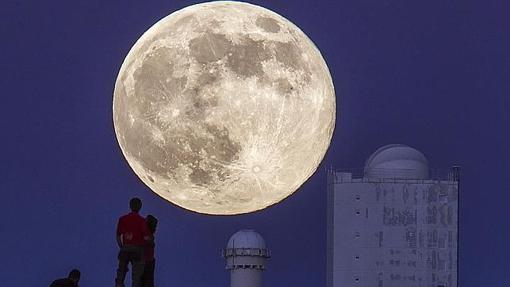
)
(246, 256)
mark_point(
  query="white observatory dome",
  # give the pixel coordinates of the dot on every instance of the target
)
(246, 238)
(397, 161)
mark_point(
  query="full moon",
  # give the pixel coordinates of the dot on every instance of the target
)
(224, 108)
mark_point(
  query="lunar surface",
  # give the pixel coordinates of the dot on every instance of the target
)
(224, 108)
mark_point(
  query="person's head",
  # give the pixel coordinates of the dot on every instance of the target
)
(135, 204)
(74, 275)
(152, 223)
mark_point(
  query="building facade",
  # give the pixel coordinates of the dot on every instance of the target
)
(395, 225)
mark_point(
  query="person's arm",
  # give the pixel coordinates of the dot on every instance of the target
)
(147, 235)
(119, 235)
(150, 241)
(119, 240)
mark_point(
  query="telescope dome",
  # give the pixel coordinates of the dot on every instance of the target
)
(246, 238)
(397, 161)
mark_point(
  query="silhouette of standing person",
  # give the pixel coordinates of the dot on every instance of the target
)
(71, 280)
(150, 261)
(132, 236)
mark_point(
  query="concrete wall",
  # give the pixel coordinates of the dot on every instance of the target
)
(392, 233)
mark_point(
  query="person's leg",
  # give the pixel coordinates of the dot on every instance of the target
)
(148, 274)
(122, 268)
(142, 279)
(137, 264)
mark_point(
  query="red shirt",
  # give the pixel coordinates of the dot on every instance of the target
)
(133, 229)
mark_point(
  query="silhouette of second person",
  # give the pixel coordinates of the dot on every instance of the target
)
(150, 261)
(132, 236)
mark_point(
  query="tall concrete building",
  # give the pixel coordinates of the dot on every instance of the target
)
(393, 225)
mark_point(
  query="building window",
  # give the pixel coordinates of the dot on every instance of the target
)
(356, 257)
(357, 212)
(356, 279)
(358, 198)
(357, 235)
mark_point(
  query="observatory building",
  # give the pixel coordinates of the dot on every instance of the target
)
(393, 225)
(246, 256)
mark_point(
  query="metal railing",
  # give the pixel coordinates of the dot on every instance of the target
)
(384, 175)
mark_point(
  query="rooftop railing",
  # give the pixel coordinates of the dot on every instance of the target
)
(385, 175)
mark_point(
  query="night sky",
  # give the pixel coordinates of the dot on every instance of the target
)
(430, 74)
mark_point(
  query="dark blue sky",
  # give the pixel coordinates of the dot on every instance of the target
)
(431, 74)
